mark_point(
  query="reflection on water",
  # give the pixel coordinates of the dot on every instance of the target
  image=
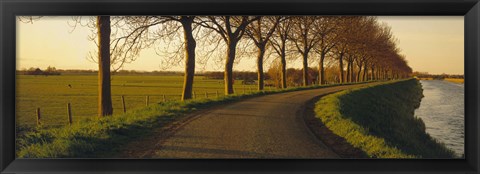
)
(442, 109)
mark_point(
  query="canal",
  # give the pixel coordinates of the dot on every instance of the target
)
(442, 109)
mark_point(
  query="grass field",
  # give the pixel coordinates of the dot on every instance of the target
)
(455, 80)
(380, 120)
(425, 78)
(52, 93)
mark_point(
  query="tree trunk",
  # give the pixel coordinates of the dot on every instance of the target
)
(284, 67)
(381, 74)
(373, 73)
(385, 74)
(261, 53)
(359, 72)
(342, 78)
(228, 76)
(365, 72)
(348, 71)
(104, 86)
(305, 69)
(321, 70)
(352, 72)
(190, 45)
(377, 73)
(284, 72)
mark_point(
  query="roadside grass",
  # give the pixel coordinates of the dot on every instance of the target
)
(379, 119)
(102, 137)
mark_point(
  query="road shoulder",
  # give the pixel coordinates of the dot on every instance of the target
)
(336, 143)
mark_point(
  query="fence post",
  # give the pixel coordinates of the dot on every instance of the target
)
(69, 112)
(206, 94)
(38, 117)
(194, 95)
(164, 99)
(216, 93)
(146, 100)
(123, 104)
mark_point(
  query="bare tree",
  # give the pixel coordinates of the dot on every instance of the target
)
(119, 42)
(385, 46)
(260, 32)
(346, 28)
(101, 35)
(305, 38)
(349, 59)
(359, 47)
(104, 89)
(144, 32)
(126, 38)
(279, 44)
(115, 49)
(231, 29)
(189, 47)
(326, 28)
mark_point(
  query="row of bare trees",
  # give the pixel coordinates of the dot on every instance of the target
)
(362, 44)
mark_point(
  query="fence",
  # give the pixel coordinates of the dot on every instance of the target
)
(123, 103)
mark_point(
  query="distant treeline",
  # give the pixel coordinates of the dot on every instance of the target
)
(437, 76)
(54, 71)
(38, 71)
(237, 75)
(273, 75)
(248, 77)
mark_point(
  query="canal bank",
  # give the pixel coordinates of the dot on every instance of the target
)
(380, 120)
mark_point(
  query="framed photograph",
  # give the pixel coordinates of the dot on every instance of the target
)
(239, 86)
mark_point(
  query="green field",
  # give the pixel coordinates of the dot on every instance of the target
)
(52, 93)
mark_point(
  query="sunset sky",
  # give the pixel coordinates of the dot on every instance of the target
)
(431, 44)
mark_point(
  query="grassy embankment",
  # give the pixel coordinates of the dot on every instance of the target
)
(380, 120)
(102, 137)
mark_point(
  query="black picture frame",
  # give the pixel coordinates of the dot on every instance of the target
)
(470, 9)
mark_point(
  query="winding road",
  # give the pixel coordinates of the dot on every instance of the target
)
(270, 126)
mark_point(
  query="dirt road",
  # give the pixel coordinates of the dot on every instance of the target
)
(269, 126)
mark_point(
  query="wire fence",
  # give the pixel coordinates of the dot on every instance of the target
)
(64, 110)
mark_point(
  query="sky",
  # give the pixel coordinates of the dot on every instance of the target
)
(433, 44)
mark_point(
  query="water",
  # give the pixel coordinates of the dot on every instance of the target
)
(442, 109)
